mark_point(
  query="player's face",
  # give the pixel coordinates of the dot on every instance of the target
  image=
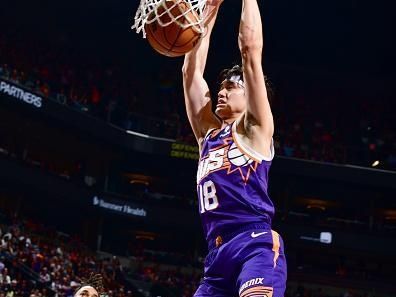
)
(231, 100)
(87, 291)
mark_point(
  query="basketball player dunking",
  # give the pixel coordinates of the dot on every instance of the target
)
(246, 258)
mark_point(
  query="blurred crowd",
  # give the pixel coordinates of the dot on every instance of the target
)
(303, 291)
(336, 269)
(316, 126)
(173, 280)
(39, 261)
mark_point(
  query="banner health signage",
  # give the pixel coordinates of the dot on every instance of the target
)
(20, 94)
(119, 207)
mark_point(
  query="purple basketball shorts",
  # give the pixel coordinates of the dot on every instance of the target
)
(251, 264)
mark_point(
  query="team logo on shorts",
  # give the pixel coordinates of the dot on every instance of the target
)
(255, 288)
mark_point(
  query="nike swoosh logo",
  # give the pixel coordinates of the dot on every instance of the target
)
(254, 235)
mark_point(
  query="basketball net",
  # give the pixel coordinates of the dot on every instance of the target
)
(147, 13)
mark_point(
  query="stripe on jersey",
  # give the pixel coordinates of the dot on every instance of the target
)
(258, 291)
(275, 245)
(209, 132)
(256, 156)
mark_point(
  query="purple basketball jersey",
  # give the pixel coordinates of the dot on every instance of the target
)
(232, 182)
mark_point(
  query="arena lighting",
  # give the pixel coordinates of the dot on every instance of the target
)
(375, 163)
(145, 235)
(390, 215)
(139, 182)
(324, 237)
(316, 206)
(139, 179)
(390, 218)
(315, 203)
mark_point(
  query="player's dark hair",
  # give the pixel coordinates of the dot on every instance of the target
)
(237, 70)
(95, 281)
(227, 73)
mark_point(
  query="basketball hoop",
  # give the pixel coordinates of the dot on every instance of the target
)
(147, 13)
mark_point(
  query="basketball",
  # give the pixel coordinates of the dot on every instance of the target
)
(172, 40)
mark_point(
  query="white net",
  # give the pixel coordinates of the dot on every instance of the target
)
(162, 12)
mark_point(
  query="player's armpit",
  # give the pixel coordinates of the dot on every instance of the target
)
(253, 137)
(258, 114)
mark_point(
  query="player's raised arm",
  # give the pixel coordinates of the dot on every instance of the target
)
(258, 121)
(196, 90)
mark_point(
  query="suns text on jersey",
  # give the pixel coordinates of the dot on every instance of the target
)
(212, 162)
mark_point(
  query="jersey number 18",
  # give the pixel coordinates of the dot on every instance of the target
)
(207, 196)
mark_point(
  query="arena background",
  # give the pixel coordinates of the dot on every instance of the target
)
(97, 160)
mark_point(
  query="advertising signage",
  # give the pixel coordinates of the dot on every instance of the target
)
(151, 214)
(16, 92)
(184, 151)
(119, 207)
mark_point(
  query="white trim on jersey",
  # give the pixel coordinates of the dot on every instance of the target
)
(209, 131)
(249, 151)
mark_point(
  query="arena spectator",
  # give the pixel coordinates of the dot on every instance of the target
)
(104, 92)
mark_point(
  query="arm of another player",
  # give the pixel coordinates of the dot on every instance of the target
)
(258, 121)
(196, 90)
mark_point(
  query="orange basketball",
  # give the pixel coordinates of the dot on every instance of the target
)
(172, 40)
